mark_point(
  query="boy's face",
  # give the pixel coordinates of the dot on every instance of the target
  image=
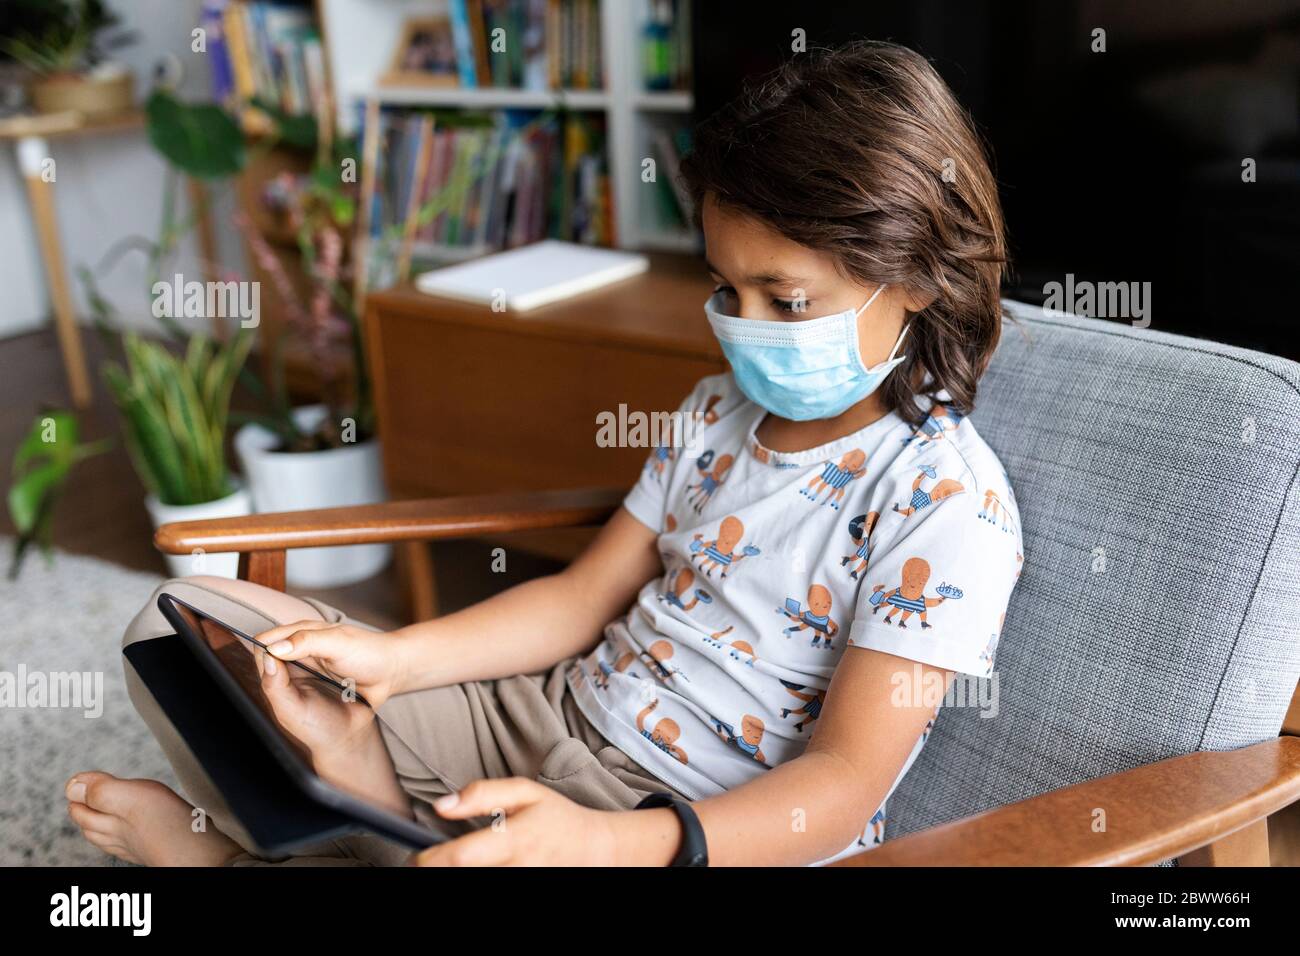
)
(764, 275)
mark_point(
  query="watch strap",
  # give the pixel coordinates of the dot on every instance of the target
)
(694, 850)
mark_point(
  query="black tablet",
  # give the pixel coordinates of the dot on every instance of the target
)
(228, 657)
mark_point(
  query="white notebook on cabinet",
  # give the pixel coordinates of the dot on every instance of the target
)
(534, 275)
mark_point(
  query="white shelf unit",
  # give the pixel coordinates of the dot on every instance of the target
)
(360, 39)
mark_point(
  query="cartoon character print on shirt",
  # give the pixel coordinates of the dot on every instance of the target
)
(709, 413)
(835, 477)
(812, 704)
(909, 597)
(711, 479)
(721, 551)
(665, 733)
(676, 595)
(751, 735)
(991, 647)
(742, 651)
(816, 617)
(936, 426)
(600, 676)
(860, 529)
(923, 499)
(994, 511)
(876, 828)
(656, 658)
(658, 461)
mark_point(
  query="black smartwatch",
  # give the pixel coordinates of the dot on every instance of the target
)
(694, 851)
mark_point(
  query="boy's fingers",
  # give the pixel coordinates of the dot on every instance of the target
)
(306, 642)
(277, 687)
(484, 798)
(487, 847)
(284, 631)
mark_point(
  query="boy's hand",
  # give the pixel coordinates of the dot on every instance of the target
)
(373, 660)
(313, 713)
(532, 825)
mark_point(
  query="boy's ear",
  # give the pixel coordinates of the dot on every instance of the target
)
(915, 301)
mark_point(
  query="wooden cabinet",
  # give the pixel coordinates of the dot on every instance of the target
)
(471, 401)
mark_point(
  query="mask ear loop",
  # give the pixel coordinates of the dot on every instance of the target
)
(879, 289)
(897, 342)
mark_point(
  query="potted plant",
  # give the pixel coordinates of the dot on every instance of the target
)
(321, 455)
(324, 454)
(174, 413)
(64, 43)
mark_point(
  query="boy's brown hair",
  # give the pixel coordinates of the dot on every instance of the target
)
(845, 150)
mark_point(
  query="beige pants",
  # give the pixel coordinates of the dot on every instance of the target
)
(439, 739)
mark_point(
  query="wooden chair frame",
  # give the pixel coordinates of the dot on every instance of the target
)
(1207, 808)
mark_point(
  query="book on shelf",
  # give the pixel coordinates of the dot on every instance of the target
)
(527, 44)
(264, 50)
(666, 45)
(674, 202)
(491, 181)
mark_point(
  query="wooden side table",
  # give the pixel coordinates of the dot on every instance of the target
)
(31, 136)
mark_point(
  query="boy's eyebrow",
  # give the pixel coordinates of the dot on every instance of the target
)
(763, 278)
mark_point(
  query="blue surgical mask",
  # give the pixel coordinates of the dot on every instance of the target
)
(801, 370)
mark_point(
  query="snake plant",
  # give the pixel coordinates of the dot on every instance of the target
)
(174, 411)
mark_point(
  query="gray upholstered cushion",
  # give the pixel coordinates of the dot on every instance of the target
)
(1178, 458)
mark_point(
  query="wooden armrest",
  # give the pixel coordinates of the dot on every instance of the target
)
(417, 520)
(1154, 812)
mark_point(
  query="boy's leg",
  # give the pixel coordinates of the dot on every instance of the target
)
(250, 608)
(439, 739)
(525, 726)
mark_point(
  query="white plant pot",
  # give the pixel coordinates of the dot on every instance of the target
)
(219, 565)
(302, 481)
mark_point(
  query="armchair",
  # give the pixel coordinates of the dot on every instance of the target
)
(1149, 658)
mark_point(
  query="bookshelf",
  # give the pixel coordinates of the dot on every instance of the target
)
(360, 37)
(351, 47)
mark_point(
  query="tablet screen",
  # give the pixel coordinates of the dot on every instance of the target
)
(232, 658)
(238, 655)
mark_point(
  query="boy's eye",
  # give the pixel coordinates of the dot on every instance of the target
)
(790, 306)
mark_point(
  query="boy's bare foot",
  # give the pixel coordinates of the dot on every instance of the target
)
(143, 821)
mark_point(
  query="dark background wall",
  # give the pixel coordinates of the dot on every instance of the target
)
(1115, 166)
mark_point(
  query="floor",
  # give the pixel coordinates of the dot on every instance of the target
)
(101, 511)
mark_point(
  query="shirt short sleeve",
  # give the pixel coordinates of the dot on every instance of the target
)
(937, 585)
(647, 501)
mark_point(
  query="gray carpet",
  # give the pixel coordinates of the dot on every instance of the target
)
(66, 617)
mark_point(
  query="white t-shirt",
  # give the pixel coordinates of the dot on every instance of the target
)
(775, 563)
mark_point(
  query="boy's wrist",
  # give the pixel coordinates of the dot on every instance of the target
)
(413, 668)
(646, 837)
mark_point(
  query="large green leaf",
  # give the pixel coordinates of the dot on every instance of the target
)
(53, 436)
(27, 496)
(40, 466)
(293, 129)
(201, 139)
